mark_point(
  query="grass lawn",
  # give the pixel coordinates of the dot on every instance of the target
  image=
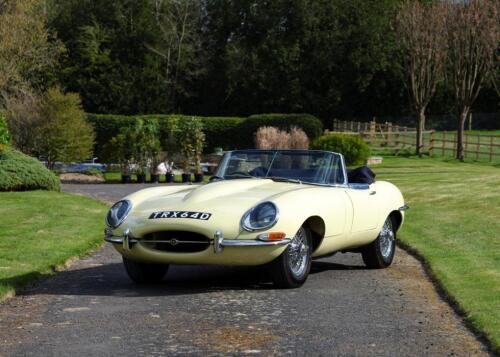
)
(40, 230)
(454, 224)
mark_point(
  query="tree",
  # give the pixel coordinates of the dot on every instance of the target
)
(23, 117)
(28, 52)
(64, 135)
(473, 33)
(4, 132)
(177, 46)
(421, 27)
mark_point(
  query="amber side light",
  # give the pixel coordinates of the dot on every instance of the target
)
(276, 236)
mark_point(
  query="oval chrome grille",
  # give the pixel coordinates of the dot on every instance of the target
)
(176, 241)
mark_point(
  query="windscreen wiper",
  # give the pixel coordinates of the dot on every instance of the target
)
(216, 178)
(283, 179)
(239, 175)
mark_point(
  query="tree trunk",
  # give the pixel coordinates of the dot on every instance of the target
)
(420, 129)
(462, 117)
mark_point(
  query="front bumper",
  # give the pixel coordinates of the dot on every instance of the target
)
(131, 246)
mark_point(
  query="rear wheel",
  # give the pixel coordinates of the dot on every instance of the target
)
(290, 269)
(142, 273)
(380, 253)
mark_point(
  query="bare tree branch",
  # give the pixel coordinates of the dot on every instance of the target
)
(421, 27)
(473, 34)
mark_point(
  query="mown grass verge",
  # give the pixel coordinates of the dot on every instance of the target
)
(454, 225)
(40, 231)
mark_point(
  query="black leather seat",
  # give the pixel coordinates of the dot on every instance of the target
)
(361, 174)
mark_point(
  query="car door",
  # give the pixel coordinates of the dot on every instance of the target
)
(365, 215)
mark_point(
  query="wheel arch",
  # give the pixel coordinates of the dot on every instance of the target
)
(397, 218)
(316, 226)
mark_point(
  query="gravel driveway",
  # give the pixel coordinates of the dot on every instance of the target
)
(92, 309)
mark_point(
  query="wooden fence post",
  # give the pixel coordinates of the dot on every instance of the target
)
(491, 148)
(465, 144)
(454, 144)
(444, 142)
(373, 127)
(478, 146)
(431, 144)
(389, 133)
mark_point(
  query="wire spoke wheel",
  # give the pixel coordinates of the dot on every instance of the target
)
(298, 254)
(387, 239)
(380, 253)
(291, 268)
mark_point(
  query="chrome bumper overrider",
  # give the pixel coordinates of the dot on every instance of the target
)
(127, 241)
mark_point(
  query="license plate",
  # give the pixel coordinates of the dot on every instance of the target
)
(180, 214)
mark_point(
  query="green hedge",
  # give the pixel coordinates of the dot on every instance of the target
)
(354, 149)
(19, 172)
(226, 132)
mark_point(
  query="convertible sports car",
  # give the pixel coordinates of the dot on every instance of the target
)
(279, 208)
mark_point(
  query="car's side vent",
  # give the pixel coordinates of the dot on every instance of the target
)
(176, 241)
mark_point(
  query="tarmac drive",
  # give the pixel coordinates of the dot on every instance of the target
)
(344, 309)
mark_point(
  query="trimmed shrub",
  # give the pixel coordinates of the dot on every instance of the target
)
(4, 132)
(64, 134)
(268, 137)
(354, 149)
(226, 132)
(223, 132)
(311, 125)
(298, 139)
(20, 172)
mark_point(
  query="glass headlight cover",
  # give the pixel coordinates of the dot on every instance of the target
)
(263, 216)
(118, 212)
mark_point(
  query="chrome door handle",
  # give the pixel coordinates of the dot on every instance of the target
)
(372, 193)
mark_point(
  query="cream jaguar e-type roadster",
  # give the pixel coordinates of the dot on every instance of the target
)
(279, 208)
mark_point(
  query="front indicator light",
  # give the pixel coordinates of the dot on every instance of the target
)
(271, 236)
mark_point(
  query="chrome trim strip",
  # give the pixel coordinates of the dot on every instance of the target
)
(404, 208)
(218, 239)
(127, 241)
(174, 241)
(253, 242)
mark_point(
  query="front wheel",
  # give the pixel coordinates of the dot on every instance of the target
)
(380, 253)
(290, 269)
(142, 273)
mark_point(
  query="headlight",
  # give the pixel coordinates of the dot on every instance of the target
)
(118, 213)
(263, 216)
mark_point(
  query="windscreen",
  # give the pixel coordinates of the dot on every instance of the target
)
(316, 167)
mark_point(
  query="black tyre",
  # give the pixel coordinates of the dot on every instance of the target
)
(142, 273)
(380, 253)
(290, 269)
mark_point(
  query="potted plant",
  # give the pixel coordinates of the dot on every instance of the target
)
(185, 143)
(118, 151)
(147, 149)
(169, 176)
(198, 140)
(154, 151)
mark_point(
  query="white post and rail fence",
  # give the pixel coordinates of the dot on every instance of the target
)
(388, 138)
